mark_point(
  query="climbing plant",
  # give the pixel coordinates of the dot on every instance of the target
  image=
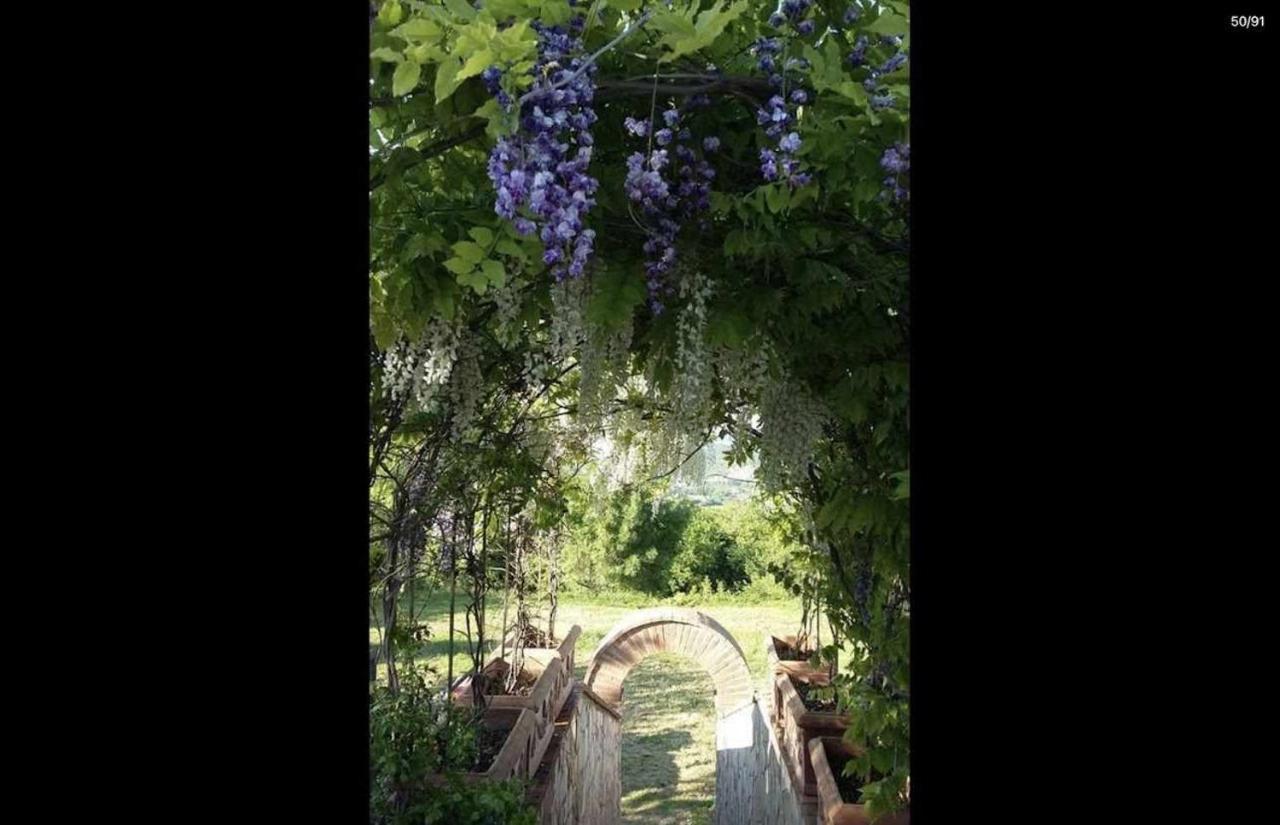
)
(648, 225)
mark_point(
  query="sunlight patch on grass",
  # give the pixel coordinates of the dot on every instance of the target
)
(668, 742)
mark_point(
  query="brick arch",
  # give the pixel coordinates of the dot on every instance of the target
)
(671, 630)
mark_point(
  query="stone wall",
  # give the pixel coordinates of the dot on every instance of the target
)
(753, 784)
(580, 779)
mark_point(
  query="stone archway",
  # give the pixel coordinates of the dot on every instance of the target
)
(702, 639)
(671, 630)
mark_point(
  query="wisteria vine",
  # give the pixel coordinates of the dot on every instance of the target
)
(669, 194)
(538, 186)
(778, 116)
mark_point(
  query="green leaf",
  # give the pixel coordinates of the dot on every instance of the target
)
(443, 301)
(853, 91)
(826, 514)
(390, 13)
(482, 235)
(384, 330)
(834, 62)
(890, 24)
(817, 64)
(459, 266)
(683, 38)
(673, 22)
(405, 78)
(729, 329)
(386, 55)
(775, 195)
(418, 28)
(904, 485)
(446, 79)
(476, 63)
(509, 247)
(733, 241)
(461, 9)
(902, 77)
(499, 122)
(495, 272)
(515, 43)
(418, 246)
(502, 9)
(555, 12)
(468, 251)
(804, 193)
(476, 280)
(866, 189)
(614, 296)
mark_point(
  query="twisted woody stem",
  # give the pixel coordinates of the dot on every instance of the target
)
(590, 61)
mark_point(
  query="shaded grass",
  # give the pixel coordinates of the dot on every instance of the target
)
(668, 743)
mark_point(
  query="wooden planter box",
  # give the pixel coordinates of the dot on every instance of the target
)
(799, 669)
(565, 649)
(516, 758)
(828, 755)
(800, 726)
(543, 703)
(552, 669)
(802, 670)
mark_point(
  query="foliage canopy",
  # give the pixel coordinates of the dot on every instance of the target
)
(785, 327)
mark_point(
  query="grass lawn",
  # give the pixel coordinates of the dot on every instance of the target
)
(668, 743)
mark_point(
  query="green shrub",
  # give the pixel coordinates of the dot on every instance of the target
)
(414, 734)
(635, 541)
(706, 557)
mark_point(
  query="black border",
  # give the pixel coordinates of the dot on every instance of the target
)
(1089, 190)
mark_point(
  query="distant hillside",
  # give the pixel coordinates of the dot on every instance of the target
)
(714, 482)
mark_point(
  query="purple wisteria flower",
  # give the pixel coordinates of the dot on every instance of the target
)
(539, 174)
(639, 128)
(859, 54)
(670, 186)
(893, 63)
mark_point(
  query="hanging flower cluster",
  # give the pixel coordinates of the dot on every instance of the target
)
(465, 389)
(538, 184)
(880, 98)
(778, 118)
(793, 12)
(420, 371)
(669, 194)
(782, 164)
(896, 160)
(603, 365)
(694, 374)
(791, 423)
